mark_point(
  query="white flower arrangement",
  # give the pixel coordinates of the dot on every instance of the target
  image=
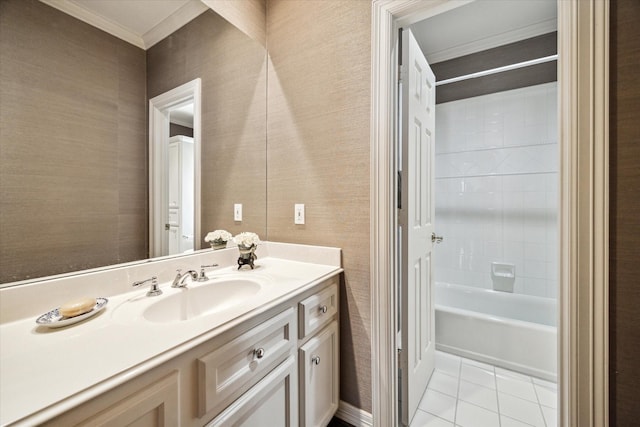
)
(218, 236)
(246, 239)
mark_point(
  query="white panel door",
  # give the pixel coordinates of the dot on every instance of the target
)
(415, 218)
(173, 212)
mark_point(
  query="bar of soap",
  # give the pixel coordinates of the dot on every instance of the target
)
(77, 307)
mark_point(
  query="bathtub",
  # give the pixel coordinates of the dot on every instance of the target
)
(513, 331)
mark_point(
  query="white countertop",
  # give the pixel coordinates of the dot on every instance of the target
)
(44, 372)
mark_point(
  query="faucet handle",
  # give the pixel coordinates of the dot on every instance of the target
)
(154, 290)
(153, 279)
(203, 277)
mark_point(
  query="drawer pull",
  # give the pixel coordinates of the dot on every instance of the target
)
(323, 309)
(315, 360)
(259, 353)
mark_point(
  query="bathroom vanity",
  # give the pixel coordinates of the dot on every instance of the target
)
(241, 348)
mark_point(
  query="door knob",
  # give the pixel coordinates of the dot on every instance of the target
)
(436, 239)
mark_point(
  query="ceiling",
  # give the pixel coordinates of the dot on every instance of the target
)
(476, 26)
(483, 24)
(182, 115)
(139, 22)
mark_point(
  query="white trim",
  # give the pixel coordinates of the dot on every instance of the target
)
(173, 22)
(159, 107)
(97, 21)
(583, 42)
(354, 416)
(524, 33)
(583, 82)
(179, 122)
(167, 26)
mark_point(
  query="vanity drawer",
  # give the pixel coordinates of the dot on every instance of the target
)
(231, 369)
(318, 310)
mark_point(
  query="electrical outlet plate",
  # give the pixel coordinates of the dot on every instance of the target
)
(237, 212)
(298, 214)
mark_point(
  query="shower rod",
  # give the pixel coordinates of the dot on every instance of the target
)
(499, 69)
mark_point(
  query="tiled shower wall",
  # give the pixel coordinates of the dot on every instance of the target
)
(497, 189)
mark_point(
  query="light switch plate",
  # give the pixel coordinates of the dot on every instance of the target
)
(298, 214)
(237, 212)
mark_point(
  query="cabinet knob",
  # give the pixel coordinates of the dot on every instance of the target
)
(259, 353)
(323, 309)
(315, 360)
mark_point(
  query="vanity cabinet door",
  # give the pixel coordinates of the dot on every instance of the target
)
(319, 387)
(152, 406)
(272, 402)
(230, 370)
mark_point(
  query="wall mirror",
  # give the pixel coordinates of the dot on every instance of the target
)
(75, 177)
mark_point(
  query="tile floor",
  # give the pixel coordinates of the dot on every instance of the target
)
(466, 393)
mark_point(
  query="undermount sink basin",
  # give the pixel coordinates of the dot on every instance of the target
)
(190, 303)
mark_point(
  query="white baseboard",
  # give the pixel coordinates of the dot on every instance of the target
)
(354, 416)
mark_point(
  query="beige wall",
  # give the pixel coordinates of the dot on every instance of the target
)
(318, 153)
(248, 15)
(73, 174)
(232, 67)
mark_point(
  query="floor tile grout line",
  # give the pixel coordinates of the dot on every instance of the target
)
(544, 420)
(478, 406)
(529, 379)
(517, 420)
(445, 373)
(495, 379)
(433, 415)
(455, 412)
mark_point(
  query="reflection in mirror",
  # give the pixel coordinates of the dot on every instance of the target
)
(181, 175)
(74, 171)
(174, 164)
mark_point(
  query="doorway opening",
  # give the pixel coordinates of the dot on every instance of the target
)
(174, 170)
(491, 287)
(583, 40)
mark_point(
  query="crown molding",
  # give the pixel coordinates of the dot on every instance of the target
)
(166, 27)
(523, 33)
(173, 22)
(179, 122)
(97, 21)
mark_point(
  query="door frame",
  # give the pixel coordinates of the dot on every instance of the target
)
(158, 158)
(583, 83)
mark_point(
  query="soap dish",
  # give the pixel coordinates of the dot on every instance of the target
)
(54, 319)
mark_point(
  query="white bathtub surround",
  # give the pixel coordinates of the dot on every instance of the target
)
(467, 393)
(513, 331)
(46, 372)
(496, 189)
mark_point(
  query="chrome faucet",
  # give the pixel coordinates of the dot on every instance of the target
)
(179, 281)
(154, 290)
